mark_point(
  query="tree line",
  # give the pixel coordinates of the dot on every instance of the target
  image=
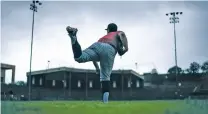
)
(194, 68)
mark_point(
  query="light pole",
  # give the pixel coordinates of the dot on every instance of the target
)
(34, 8)
(48, 63)
(173, 20)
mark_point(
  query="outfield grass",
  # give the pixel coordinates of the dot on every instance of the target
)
(94, 107)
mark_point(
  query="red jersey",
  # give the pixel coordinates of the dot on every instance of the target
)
(116, 39)
(110, 37)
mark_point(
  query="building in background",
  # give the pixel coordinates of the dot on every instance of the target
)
(65, 83)
(80, 79)
(73, 83)
(5, 67)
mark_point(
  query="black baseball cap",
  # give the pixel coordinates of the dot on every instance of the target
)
(112, 27)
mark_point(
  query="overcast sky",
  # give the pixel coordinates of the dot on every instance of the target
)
(150, 35)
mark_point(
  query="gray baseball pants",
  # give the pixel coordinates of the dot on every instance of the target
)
(100, 52)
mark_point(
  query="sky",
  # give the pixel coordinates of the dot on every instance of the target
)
(149, 33)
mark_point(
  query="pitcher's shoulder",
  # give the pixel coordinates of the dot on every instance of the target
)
(121, 34)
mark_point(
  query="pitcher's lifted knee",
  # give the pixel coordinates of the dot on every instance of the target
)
(79, 60)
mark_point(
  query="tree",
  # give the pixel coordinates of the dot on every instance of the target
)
(204, 67)
(188, 71)
(194, 67)
(183, 71)
(172, 70)
(20, 83)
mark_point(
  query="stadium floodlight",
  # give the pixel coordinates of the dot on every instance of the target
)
(174, 20)
(34, 8)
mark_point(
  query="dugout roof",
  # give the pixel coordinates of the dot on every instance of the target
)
(68, 69)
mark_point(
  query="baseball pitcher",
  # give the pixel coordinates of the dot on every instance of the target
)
(103, 51)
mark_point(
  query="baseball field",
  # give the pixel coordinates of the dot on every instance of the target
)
(97, 107)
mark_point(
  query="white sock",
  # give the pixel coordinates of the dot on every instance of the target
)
(105, 97)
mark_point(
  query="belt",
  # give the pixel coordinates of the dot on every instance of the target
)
(113, 46)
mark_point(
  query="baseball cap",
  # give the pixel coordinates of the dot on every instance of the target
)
(112, 27)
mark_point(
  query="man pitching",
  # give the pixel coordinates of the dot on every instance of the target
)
(104, 51)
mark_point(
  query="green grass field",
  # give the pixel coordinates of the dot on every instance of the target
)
(96, 107)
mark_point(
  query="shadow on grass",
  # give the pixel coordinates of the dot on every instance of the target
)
(18, 108)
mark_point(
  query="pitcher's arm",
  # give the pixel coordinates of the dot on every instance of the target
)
(124, 41)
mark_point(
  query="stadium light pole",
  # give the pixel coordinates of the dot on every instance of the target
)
(34, 8)
(48, 63)
(173, 20)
